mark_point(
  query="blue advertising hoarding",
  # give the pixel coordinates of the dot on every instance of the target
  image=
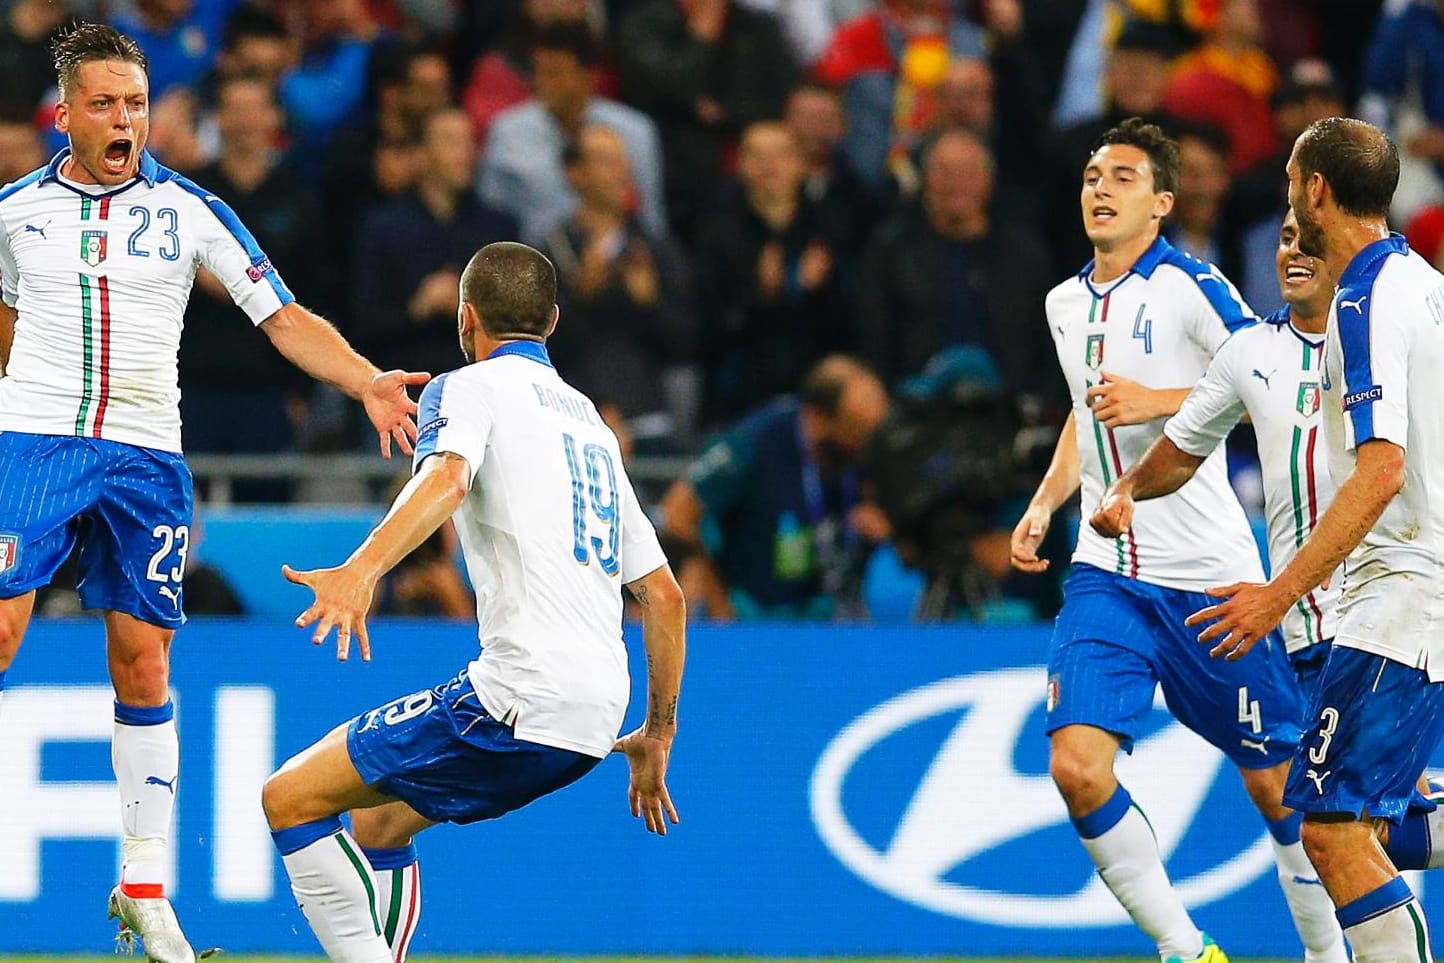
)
(868, 790)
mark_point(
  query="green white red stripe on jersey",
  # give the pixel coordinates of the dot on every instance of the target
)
(95, 335)
(1103, 436)
(1303, 486)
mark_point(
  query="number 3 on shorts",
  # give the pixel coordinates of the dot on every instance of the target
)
(178, 538)
(1328, 722)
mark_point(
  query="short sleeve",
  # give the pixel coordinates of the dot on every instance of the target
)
(720, 474)
(1374, 345)
(1219, 312)
(453, 415)
(641, 551)
(231, 253)
(9, 270)
(1212, 408)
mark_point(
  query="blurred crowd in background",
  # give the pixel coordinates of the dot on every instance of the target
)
(804, 243)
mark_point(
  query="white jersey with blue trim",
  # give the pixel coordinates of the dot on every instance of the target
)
(551, 530)
(1383, 359)
(1159, 325)
(1274, 373)
(99, 279)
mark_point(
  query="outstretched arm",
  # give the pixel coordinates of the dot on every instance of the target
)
(1057, 486)
(1162, 470)
(312, 344)
(7, 335)
(648, 748)
(343, 594)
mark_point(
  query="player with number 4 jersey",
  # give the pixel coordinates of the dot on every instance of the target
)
(551, 531)
(98, 250)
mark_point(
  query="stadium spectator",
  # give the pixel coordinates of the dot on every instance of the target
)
(815, 117)
(944, 271)
(176, 142)
(1134, 80)
(254, 44)
(239, 394)
(768, 286)
(180, 37)
(1227, 82)
(20, 147)
(704, 70)
(26, 73)
(808, 25)
(411, 252)
(631, 328)
(326, 89)
(765, 510)
(521, 171)
(1203, 183)
(1403, 86)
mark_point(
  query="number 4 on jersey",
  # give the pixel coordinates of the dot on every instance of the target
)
(599, 490)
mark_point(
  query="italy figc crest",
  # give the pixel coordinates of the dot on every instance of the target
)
(1093, 353)
(93, 245)
(1308, 403)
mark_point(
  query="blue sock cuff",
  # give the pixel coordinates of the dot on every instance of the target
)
(143, 715)
(1106, 816)
(398, 858)
(1409, 842)
(1286, 831)
(299, 837)
(1391, 895)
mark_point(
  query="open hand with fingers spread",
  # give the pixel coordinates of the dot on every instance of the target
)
(343, 597)
(647, 758)
(1248, 612)
(391, 408)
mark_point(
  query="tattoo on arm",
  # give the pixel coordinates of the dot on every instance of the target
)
(641, 594)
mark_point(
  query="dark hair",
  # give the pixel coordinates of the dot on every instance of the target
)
(573, 37)
(1206, 134)
(1161, 149)
(392, 61)
(86, 43)
(513, 289)
(1357, 159)
(825, 382)
(248, 22)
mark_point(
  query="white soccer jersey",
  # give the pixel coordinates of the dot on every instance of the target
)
(100, 281)
(1159, 325)
(1274, 372)
(1384, 379)
(551, 530)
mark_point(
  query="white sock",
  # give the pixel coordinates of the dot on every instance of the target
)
(1309, 903)
(398, 896)
(145, 754)
(336, 890)
(1397, 935)
(1123, 847)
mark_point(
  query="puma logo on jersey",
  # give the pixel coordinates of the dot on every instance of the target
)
(1305, 881)
(1265, 377)
(32, 229)
(158, 781)
(171, 594)
(1319, 778)
(1204, 276)
(1356, 305)
(1262, 747)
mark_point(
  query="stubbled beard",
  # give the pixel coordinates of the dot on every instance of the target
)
(468, 351)
(1311, 236)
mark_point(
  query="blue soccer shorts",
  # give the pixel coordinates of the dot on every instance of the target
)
(1116, 638)
(128, 507)
(1308, 666)
(442, 754)
(1375, 724)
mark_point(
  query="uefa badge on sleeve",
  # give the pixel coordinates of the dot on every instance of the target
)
(93, 245)
(9, 551)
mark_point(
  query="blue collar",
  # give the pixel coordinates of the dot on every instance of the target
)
(534, 350)
(149, 169)
(1147, 262)
(1367, 260)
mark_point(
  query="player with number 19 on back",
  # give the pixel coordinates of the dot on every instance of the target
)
(98, 250)
(1143, 313)
(551, 531)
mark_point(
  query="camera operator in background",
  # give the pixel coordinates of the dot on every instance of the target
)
(769, 515)
(945, 472)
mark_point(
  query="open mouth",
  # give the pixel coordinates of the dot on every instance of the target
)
(117, 156)
(1102, 213)
(1299, 272)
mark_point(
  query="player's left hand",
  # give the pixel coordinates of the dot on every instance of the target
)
(647, 759)
(1248, 612)
(1118, 402)
(343, 597)
(391, 409)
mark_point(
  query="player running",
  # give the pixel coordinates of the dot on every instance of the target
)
(1145, 314)
(1378, 711)
(98, 250)
(551, 529)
